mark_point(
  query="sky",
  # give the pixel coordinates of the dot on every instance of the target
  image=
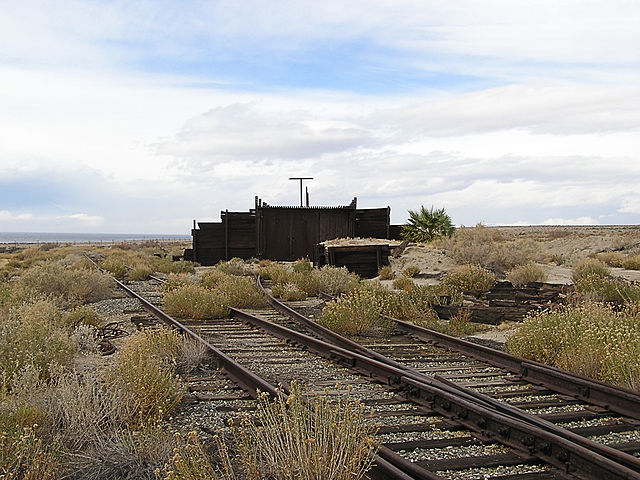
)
(141, 116)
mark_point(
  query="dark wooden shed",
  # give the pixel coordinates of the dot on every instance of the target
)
(282, 232)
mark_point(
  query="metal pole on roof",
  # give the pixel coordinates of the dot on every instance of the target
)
(301, 179)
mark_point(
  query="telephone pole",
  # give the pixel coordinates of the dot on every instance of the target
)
(301, 179)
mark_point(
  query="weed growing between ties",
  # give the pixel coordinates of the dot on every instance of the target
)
(523, 274)
(328, 279)
(590, 339)
(288, 292)
(321, 439)
(196, 302)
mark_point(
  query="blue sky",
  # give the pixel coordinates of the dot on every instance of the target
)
(137, 117)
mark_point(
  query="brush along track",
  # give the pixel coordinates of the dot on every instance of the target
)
(428, 429)
(418, 351)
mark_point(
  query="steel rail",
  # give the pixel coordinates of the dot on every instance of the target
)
(611, 397)
(549, 447)
(617, 456)
(384, 468)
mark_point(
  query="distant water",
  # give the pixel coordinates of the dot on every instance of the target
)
(49, 237)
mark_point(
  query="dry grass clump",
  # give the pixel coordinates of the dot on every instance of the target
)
(72, 285)
(468, 279)
(490, 248)
(620, 260)
(588, 267)
(191, 462)
(523, 274)
(235, 266)
(177, 280)
(139, 272)
(316, 440)
(275, 272)
(328, 279)
(385, 273)
(81, 315)
(24, 455)
(607, 289)
(35, 335)
(411, 271)
(115, 266)
(335, 280)
(403, 283)
(591, 339)
(302, 265)
(195, 301)
(235, 291)
(146, 369)
(358, 311)
(288, 292)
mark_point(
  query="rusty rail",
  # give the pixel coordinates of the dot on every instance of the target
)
(386, 468)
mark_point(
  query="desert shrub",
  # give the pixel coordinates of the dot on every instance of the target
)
(237, 292)
(291, 439)
(606, 289)
(166, 265)
(139, 272)
(358, 311)
(84, 338)
(145, 368)
(82, 263)
(385, 273)
(191, 462)
(72, 285)
(81, 408)
(177, 280)
(632, 262)
(123, 454)
(427, 225)
(461, 324)
(192, 354)
(468, 279)
(591, 339)
(114, 266)
(235, 266)
(589, 267)
(288, 292)
(23, 455)
(483, 246)
(403, 283)
(613, 259)
(523, 274)
(275, 272)
(411, 271)
(306, 282)
(83, 314)
(33, 334)
(195, 301)
(558, 259)
(335, 280)
(302, 265)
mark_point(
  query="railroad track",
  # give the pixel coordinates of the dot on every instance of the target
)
(430, 427)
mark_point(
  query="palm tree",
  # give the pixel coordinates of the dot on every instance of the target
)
(427, 225)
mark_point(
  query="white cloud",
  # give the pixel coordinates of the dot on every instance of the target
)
(83, 218)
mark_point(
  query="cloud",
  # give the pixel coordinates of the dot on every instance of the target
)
(89, 220)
